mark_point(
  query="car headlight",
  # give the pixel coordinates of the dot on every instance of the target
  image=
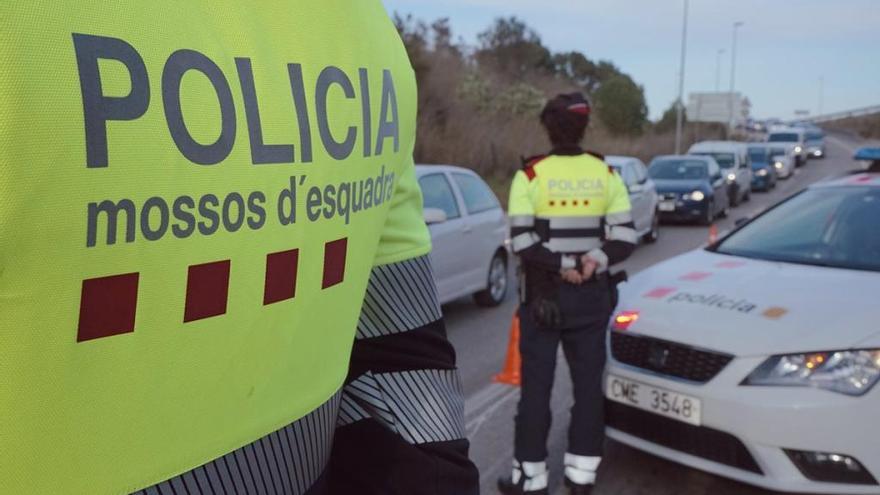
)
(731, 177)
(845, 372)
(798, 149)
(762, 172)
(694, 196)
(779, 165)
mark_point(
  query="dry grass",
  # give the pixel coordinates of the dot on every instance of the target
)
(868, 126)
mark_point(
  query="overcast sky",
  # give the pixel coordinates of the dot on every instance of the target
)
(784, 48)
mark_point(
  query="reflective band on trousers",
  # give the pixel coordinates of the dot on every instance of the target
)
(535, 472)
(581, 469)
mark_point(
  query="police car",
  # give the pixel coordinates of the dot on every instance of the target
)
(757, 358)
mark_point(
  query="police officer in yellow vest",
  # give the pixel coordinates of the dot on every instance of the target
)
(570, 221)
(214, 272)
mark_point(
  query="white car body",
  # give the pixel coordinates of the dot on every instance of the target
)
(800, 143)
(739, 175)
(642, 192)
(750, 310)
(787, 162)
(465, 242)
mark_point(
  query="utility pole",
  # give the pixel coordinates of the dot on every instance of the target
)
(736, 26)
(679, 114)
(721, 51)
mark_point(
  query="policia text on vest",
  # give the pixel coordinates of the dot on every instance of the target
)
(207, 213)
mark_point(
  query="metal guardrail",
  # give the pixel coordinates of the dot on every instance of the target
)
(844, 115)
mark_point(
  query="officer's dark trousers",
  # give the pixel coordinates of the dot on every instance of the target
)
(584, 349)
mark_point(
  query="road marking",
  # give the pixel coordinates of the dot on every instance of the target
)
(481, 406)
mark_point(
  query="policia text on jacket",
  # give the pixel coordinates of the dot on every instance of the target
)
(207, 213)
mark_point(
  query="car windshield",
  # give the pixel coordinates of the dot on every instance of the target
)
(678, 169)
(726, 160)
(831, 226)
(758, 154)
(783, 137)
(815, 136)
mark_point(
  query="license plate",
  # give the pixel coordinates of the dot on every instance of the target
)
(654, 399)
(667, 206)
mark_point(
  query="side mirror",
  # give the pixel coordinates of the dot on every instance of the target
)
(434, 215)
(741, 221)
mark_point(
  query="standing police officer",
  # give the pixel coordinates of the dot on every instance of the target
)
(570, 220)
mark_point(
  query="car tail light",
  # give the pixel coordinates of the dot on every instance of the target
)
(624, 319)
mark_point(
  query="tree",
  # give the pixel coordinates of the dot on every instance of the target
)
(511, 47)
(620, 104)
(668, 119)
(577, 68)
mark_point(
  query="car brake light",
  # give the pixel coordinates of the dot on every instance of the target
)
(624, 319)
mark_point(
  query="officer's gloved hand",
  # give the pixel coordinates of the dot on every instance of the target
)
(547, 314)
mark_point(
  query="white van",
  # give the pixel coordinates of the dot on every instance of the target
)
(733, 157)
(795, 136)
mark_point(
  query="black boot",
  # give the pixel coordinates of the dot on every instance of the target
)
(576, 489)
(507, 487)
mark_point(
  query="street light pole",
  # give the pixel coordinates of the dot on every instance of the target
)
(721, 51)
(736, 26)
(679, 114)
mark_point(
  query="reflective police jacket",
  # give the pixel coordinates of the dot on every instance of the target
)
(567, 204)
(212, 254)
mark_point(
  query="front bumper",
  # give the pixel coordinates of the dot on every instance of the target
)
(686, 210)
(745, 429)
(815, 151)
(761, 183)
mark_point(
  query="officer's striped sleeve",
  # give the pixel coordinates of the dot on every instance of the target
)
(621, 237)
(400, 427)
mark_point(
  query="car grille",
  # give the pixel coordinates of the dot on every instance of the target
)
(667, 358)
(669, 196)
(699, 441)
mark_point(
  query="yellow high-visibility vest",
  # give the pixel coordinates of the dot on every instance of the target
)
(192, 195)
(574, 200)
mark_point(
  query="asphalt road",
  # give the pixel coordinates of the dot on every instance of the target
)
(480, 337)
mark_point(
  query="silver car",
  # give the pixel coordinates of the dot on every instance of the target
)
(469, 231)
(642, 195)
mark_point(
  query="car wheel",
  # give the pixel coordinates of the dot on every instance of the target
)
(709, 216)
(747, 196)
(654, 235)
(734, 196)
(496, 285)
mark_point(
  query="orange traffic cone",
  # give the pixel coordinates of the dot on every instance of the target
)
(510, 375)
(713, 234)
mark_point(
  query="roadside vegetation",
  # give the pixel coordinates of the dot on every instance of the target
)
(479, 105)
(867, 126)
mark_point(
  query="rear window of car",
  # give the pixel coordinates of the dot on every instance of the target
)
(437, 193)
(834, 227)
(678, 169)
(758, 154)
(726, 160)
(476, 194)
(783, 137)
